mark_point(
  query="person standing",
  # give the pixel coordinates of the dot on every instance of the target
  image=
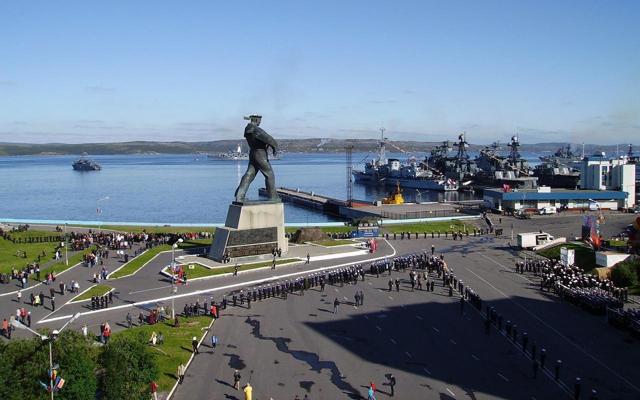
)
(392, 384)
(153, 386)
(85, 330)
(53, 303)
(236, 379)
(129, 320)
(214, 342)
(19, 295)
(194, 344)
(308, 258)
(248, 392)
(181, 370)
(336, 303)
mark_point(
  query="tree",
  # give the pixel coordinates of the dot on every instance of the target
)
(128, 368)
(624, 274)
(25, 363)
(77, 359)
(22, 366)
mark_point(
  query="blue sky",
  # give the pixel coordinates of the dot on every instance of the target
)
(164, 70)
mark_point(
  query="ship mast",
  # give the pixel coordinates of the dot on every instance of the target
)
(382, 157)
(513, 154)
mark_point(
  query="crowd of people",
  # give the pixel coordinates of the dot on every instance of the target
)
(588, 291)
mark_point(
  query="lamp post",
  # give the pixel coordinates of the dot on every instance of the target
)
(54, 334)
(66, 246)
(173, 252)
(174, 290)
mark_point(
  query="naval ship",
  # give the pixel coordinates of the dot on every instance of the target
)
(497, 170)
(237, 155)
(460, 167)
(391, 172)
(85, 164)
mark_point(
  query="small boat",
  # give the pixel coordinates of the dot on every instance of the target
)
(86, 164)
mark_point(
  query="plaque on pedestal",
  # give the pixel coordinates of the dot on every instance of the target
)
(251, 228)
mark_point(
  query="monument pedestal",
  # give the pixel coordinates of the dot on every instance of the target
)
(251, 228)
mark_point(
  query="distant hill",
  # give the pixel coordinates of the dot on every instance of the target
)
(289, 145)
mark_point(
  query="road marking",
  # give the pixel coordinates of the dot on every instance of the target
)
(370, 283)
(148, 290)
(450, 392)
(344, 297)
(393, 341)
(453, 341)
(558, 333)
(475, 357)
(220, 288)
(503, 377)
(390, 298)
(435, 329)
(500, 265)
(408, 354)
(419, 317)
(336, 289)
(427, 371)
(378, 328)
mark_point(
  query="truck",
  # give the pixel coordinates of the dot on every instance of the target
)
(530, 240)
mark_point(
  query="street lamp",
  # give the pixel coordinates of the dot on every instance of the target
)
(174, 290)
(54, 334)
(173, 251)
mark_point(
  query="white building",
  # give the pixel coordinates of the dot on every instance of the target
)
(600, 173)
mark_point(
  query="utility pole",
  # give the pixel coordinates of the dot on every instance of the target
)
(349, 153)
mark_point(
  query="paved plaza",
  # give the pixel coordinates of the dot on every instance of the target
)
(298, 346)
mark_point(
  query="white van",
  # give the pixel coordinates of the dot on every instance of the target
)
(547, 210)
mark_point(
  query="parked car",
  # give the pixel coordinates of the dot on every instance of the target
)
(522, 214)
(547, 211)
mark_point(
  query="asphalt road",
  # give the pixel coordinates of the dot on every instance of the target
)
(299, 346)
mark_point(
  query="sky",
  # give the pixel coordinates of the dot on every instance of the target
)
(98, 71)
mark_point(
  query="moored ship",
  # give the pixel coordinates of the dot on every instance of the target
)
(412, 174)
(497, 170)
(86, 164)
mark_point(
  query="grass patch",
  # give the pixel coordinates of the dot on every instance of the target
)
(74, 259)
(190, 244)
(96, 290)
(176, 348)
(11, 254)
(137, 263)
(200, 271)
(635, 290)
(420, 227)
(585, 257)
(153, 229)
(326, 229)
(334, 242)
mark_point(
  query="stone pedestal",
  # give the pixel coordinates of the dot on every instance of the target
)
(251, 228)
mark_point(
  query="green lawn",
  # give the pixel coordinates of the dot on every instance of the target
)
(334, 242)
(96, 290)
(11, 253)
(176, 348)
(326, 229)
(136, 263)
(200, 271)
(73, 260)
(190, 244)
(153, 229)
(420, 227)
(585, 257)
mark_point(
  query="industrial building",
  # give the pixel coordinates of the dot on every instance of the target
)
(599, 173)
(544, 196)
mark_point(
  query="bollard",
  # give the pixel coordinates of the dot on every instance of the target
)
(557, 372)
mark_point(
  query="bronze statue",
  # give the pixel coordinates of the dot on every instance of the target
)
(259, 141)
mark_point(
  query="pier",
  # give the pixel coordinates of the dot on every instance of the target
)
(362, 209)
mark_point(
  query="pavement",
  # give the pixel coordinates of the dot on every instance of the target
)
(298, 346)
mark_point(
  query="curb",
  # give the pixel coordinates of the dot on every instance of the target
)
(166, 274)
(86, 290)
(175, 385)
(136, 271)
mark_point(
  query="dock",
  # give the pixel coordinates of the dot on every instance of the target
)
(363, 209)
